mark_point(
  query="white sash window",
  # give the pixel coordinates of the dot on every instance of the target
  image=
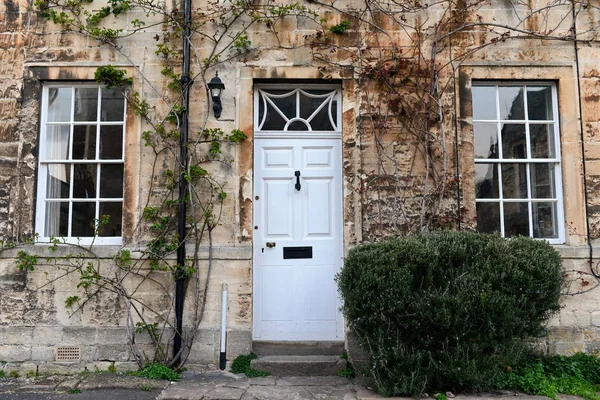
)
(81, 162)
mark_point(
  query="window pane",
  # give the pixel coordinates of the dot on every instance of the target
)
(321, 122)
(111, 217)
(59, 104)
(488, 217)
(486, 181)
(486, 140)
(111, 142)
(544, 220)
(484, 102)
(298, 126)
(113, 105)
(542, 181)
(512, 106)
(57, 142)
(542, 140)
(516, 219)
(514, 181)
(286, 104)
(82, 223)
(308, 105)
(86, 104)
(539, 103)
(111, 181)
(57, 219)
(84, 142)
(514, 143)
(273, 121)
(57, 183)
(84, 181)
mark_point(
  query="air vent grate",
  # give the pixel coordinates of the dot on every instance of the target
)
(68, 353)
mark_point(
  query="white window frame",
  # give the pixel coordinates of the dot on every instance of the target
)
(316, 134)
(528, 160)
(43, 164)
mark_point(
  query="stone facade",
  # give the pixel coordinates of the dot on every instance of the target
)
(33, 52)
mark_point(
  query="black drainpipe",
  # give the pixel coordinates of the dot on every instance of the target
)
(186, 82)
(582, 138)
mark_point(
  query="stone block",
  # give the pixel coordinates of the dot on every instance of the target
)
(99, 366)
(61, 368)
(47, 335)
(112, 352)
(204, 355)
(126, 366)
(17, 335)
(575, 318)
(15, 353)
(43, 353)
(238, 342)
(567, 348)
(111, 335)
(595, 317)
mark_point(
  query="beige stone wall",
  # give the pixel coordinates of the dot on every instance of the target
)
(33, 319)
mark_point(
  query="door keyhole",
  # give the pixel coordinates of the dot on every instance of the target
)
(298, 186)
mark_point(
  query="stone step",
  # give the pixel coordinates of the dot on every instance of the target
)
(298, 348)
(294, 365)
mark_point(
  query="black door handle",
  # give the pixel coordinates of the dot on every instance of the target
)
(298, 186)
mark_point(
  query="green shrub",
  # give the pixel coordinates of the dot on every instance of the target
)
(157, 371)
(242, 365)
(449, 310)
(577, 375)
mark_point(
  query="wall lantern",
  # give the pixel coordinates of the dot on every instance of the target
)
(216, 87)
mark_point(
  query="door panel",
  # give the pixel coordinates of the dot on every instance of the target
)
(296, 298)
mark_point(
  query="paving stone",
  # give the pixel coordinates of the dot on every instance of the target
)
(225, 393)
(185, 390)
(280, 392)
(313, 381)
(263, 381)
(68, 384)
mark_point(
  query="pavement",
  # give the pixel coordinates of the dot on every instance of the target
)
(206, 385)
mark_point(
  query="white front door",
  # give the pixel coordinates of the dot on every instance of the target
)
(297, 239)
(298, 244)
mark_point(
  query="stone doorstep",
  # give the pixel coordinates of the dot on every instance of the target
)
(298, 348)
(293, 365)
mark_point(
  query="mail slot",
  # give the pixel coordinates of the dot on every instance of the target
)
(297, 252)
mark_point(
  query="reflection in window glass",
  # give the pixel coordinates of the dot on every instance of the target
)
(514, 181)
(539, 103)
(488, 217)
(485, 140)
(113, 105)
(111, 142)
(83, 219)
(542, 181)
(516, 219)
(486, 181)
(84, 142)
(111, 217)
(514, 141)
(484, 103)
(544, 220)
(512, 103)
(542, 140)
(86, 104)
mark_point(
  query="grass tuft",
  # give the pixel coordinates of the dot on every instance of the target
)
(241, 365)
